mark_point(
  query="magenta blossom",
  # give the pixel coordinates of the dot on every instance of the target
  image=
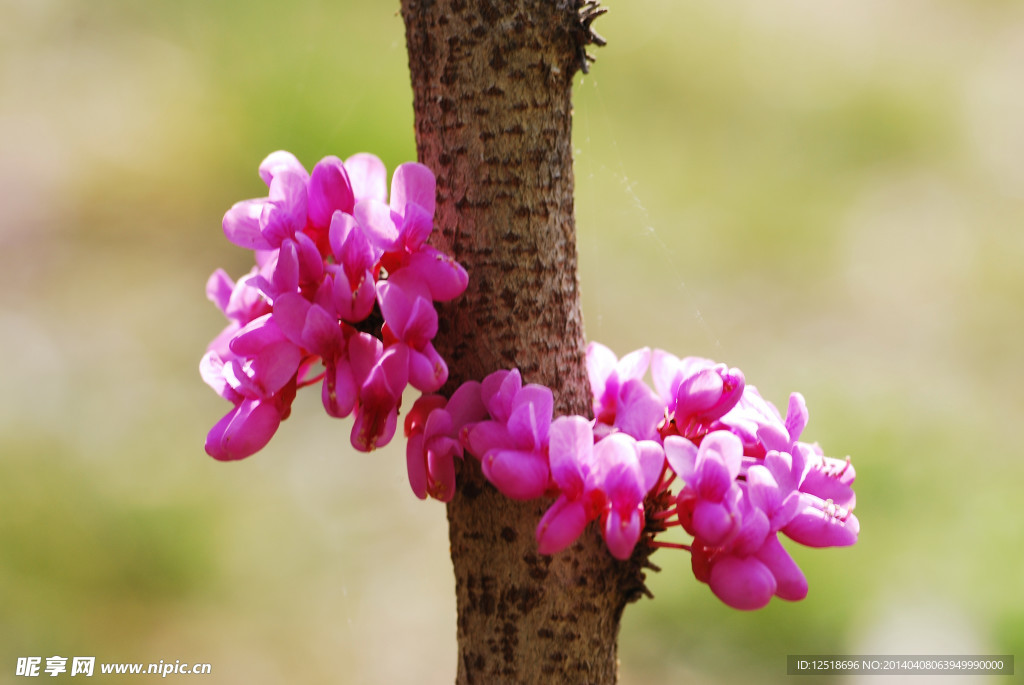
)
(257, 375)
(708, 504)
(749, 581)
(322, 297)
(411, 323)
(298, 203)
(351, 289)
(512, 446)
(401, 228)
(433, 426)
(381, 375)
(697, 392)
(621, 398)
(759, 425)
(607, 481)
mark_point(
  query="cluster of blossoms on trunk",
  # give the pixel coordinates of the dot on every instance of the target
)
(343, 295)
(700, 450)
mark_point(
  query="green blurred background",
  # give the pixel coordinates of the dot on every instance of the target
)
(829, 196)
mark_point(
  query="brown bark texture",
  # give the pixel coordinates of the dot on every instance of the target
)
(492, 82)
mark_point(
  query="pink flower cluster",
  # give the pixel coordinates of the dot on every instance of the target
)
(342, 294)
(744, 475)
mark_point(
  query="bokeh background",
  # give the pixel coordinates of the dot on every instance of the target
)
(828, 195)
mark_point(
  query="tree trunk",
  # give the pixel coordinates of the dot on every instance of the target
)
(492, 83)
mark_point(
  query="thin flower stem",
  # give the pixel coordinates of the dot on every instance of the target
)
(665, 514)
(311, 381)
(670, 545)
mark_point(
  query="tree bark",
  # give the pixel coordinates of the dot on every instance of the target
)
(492, 82)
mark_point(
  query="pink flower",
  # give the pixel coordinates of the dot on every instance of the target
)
(822, 523)
(697, 391)
(352, 283)
(401, 229)
(244, 430)
(760, 426)
(607, 481)
(621, 398)
(296, 202)
(749, 582)
(313, 328)
(238, 301)
(432, 427)
(709, 502)
(410, 322)
(512, 446)
(321, 275)
(257, 375)
(381, 376)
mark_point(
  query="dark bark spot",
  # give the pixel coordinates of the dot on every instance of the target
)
(471, 491)
(490, 12)
(509, 534)
(509, 642)
(487, 602)
(497, 59)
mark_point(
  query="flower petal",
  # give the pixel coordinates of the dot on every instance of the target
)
(634, 365)
(241, 225)
(416, 465)
(339, 390)
(822, 524)
(666, 375)
(516, 474)
(377, 222)
(279, 161)
(441, 471)
(427, 369)
(791, 584)
(245, 430)
(742, 583)
(465, 405)
(714, 522)
(413, 183)
(285, 212)
(682, 456)
(571, 445)
(561, 524)
(329, 190)
(652, 462)
(368, 176)
(219, 288)
(622, 532)
(444, 276)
